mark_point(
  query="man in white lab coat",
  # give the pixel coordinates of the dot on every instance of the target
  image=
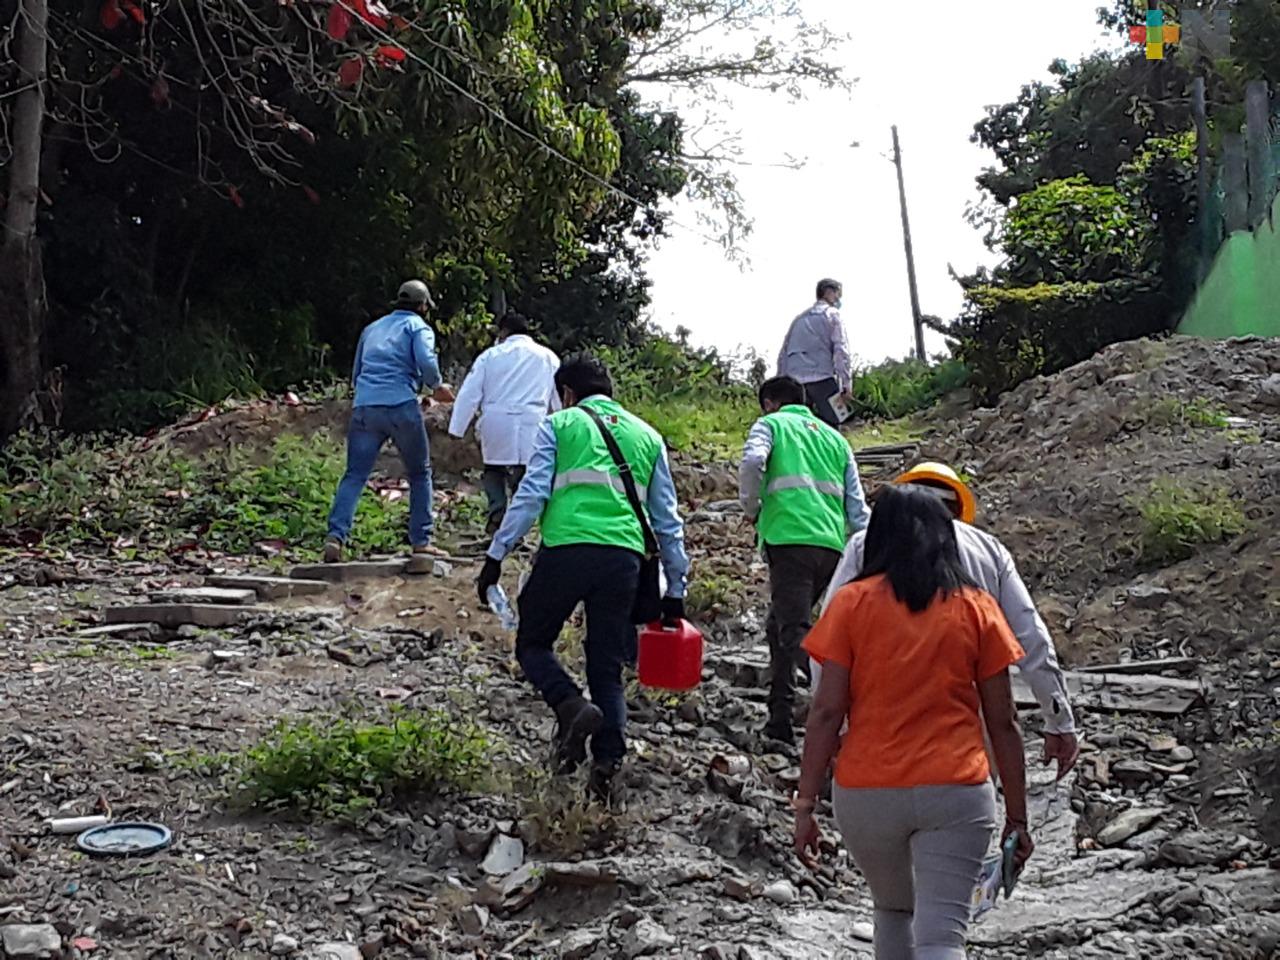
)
(512, 385)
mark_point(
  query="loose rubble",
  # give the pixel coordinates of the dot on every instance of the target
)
(1162, 845)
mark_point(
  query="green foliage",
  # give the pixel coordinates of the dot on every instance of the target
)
(336, 768)
(687, 395)
(1071, 229)
(1196, 412)
(896, 388)
(287, 498)
(559, 819)
(1178, 517)
(713, 594)
(1009, 334)
(93, 491)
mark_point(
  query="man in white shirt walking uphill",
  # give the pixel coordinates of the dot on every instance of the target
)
(816, 352)
(799, 484)
(988, 562)
(395, 358)
(512, 385)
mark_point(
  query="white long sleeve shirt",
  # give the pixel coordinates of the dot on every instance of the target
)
(817, 348)
(512, 385)
(990, 565)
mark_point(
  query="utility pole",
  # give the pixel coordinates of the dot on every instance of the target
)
(906, 242)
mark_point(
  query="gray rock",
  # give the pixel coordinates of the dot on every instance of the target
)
(1269, 390)
(270, 588)
(30, 941)
(862, 931)
(1182, 754)
(283, 945)
(231, 596)
(646, 938)
(505, 855)
(1200, 848)
(781, 891)
(473, 920)
(719, 951)
(335, 950)
(579, 944)
(345, 572)
(1132, 821)
(173, 615)
(441, 569)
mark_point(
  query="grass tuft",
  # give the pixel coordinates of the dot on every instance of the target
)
(1177, 518)
(341, 769)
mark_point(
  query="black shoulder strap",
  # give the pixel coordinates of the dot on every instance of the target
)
(628, 481)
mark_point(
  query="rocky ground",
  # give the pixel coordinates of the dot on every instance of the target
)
(1162, 845)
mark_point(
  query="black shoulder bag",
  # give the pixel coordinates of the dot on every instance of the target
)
(648, 603)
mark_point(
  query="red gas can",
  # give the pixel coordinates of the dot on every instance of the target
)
(670, 657)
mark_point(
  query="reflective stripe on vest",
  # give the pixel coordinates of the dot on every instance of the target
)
(600, 477)
(803, 502)
(805, 483)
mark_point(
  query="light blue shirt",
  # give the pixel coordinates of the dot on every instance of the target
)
(535, 490)
(395, 358)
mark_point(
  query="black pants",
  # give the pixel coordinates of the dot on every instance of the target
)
(798, 577)
(604, 578)
(499, 481)
(817, 396)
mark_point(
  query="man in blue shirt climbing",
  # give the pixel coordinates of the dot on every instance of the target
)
(395, 359)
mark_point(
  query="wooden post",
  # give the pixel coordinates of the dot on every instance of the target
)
(1257, 111)
(906, 242)
(1235, 184)
(1206, 240)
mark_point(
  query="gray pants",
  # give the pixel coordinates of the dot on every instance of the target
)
(921, 851)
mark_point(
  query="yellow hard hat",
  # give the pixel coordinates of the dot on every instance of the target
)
(941, 473)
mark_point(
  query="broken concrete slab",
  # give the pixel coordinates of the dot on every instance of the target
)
(1146, 667)
(270, 588)
(172, 615)
(30, 941)
(1099, 898)
(344, 572)
(131, 632)
(223, 595)
(1165, 696)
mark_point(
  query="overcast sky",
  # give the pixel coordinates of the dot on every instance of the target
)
(930, 67)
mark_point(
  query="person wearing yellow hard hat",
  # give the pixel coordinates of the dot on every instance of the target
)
(989, 563)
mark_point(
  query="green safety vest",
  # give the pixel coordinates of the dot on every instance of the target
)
(588, 500)
(803, 499)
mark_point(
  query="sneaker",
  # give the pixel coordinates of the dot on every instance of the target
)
(423, 559)
(578, 719)
(605, 785)
(333, 550)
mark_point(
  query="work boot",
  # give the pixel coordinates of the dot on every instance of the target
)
(578, 719)
(423, 559)
(333, 550)
(605, 784)
(780, 726)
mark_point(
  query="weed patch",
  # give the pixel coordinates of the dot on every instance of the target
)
(1196, 412)
(1177, 518)
(341, 769)
(558, 817)
(896, 388)
(902, 430)
(714, 594)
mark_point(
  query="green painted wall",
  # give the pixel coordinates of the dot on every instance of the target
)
(1241, 294)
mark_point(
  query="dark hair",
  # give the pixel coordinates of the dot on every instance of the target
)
(585, 375)
(828, 284)
(912, 538)
(514, 323)
(784, 390)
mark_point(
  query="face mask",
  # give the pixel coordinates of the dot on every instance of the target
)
(839, 303)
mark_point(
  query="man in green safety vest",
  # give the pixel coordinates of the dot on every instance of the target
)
(592, 545)
(799, 485)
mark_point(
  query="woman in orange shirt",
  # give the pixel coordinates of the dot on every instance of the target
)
(910, 651)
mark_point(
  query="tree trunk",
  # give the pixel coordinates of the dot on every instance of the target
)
(25, 399)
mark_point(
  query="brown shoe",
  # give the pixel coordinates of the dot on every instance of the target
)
(423, 559)
(333, 551)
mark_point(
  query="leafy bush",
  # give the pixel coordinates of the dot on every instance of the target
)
(1177, 518)
(896, 388)
(1009, 334)
(1073, 230)
(335, 768)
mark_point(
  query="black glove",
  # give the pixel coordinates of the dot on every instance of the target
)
(672, 611)
(490, 573)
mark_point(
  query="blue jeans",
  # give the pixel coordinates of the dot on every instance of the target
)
(370, 428)
(604, 579)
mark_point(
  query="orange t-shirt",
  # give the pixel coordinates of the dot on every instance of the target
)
(913, 712)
